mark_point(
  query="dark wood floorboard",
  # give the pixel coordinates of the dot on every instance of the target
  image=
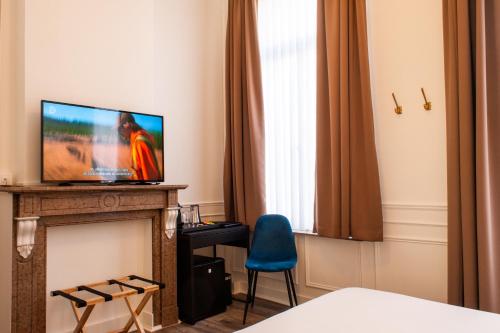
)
(232, 319)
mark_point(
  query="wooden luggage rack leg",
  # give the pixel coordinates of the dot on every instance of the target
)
(79, 317)
(80, 321)
(102, 297)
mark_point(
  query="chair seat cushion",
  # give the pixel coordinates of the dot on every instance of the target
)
(266, 266)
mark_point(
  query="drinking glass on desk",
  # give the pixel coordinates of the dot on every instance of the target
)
(195, 214)
(190, 215)
(186, 214)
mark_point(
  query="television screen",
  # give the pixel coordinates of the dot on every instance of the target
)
(88, 144)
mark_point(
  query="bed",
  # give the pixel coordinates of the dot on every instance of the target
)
(353, 310)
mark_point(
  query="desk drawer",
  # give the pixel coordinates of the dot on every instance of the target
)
(237, 236)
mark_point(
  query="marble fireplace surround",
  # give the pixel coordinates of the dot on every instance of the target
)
(36, 208)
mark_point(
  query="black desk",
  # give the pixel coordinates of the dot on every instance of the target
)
(187, 294)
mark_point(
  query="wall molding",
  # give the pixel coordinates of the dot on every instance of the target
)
(330, 287)
(208, 203)
(415, 240)
(419, 225)
(425, 224)
(415, 206)
(209, 208)
(426, 221)
(216, 208)
(321, 286)
(415, 214)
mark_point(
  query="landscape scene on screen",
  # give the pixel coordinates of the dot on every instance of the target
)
(87, 144)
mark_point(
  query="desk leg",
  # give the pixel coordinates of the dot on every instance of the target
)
(214, 250)
(248, 278)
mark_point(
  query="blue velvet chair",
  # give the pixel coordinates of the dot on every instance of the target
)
(272, 250)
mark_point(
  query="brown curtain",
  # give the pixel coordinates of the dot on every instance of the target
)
(244, 170)
(472, 63)
(348, 200)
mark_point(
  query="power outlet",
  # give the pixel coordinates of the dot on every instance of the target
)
(5, 179)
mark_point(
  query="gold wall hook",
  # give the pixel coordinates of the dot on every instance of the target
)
(398, 109)
(428, 104)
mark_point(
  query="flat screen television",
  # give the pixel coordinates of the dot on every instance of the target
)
(85, 144)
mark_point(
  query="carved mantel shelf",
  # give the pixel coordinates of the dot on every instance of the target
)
(38, 207)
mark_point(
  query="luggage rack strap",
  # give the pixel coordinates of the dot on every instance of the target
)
(139, 290)
(107, 297)
(135, 277)
(80, 303)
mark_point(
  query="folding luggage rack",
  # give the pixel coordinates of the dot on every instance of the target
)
(126, 290)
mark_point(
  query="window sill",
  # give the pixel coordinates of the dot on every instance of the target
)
(302, 232)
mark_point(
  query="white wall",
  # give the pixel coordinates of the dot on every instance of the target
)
(152, 56)
(189, 89)
(406, 53)
(11, 92)
(11, 77)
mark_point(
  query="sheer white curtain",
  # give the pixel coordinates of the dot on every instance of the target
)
(287, 38)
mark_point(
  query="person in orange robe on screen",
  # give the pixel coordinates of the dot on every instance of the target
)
(144, 162)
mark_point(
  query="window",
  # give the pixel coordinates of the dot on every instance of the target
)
(287, 38)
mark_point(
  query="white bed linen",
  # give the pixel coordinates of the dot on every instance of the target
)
(353, 310)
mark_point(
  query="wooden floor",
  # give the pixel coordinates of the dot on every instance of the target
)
(231, 320)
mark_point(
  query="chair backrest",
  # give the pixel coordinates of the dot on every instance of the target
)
(273, 239)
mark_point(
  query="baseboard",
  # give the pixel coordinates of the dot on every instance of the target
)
(105, 325)
(117, 322)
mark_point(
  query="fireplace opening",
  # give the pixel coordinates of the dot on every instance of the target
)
(77, 254)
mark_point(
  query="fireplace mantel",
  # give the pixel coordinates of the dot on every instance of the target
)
(38, 207)
(87, 188)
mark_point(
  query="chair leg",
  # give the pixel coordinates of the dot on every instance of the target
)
(293, 287)
(288, 289)
(254, 287)
(249, 295)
